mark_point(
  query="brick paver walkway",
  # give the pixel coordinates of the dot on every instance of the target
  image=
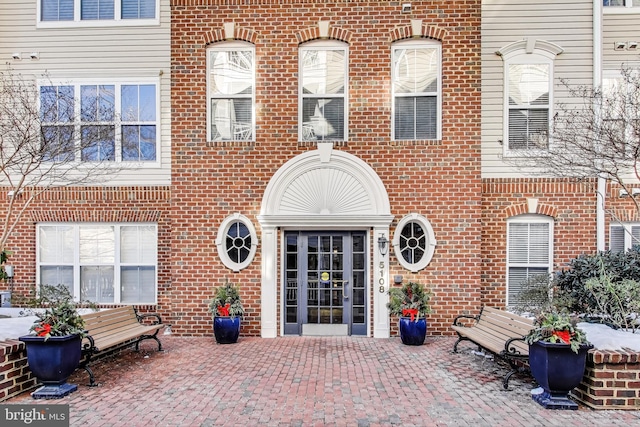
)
(311, 381)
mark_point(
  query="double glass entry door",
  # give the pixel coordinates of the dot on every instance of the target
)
(325, 283)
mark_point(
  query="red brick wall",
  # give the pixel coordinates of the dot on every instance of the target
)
(15, 375)
(572, 205)
(438, 179)
(93, 204)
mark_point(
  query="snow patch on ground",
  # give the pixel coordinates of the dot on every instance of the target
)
(606, 338)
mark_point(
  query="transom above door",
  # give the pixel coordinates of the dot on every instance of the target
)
(325, 285)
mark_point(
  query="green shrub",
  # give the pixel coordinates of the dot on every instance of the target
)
(571, 283)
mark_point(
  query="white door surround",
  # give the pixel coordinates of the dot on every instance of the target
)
(331, 190)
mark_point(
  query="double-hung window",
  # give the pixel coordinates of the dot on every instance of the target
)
(232, 92)
(416, 76)
(100, 262)
(93, 11)
(529, 251)
(323, 91)
(100, 122)
(528, 88)
(623, 237)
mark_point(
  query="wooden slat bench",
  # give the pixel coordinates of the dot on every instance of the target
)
(116, 327)
(499, 332)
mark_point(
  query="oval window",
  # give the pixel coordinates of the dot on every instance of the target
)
(414, 242)
(237, 242)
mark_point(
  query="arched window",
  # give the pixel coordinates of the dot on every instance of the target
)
(416, 76)
(414, 242)
(323, 91)
(237, 242)
(231, 88)
(528, 97)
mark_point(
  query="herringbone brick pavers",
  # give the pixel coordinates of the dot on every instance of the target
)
(305, 381)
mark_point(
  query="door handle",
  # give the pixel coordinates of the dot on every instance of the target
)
(345, 287)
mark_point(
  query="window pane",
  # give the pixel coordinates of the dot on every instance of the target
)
(57, 275)
(232, 72)
(323, 118)
(528, 128)
(97, 103)
(616, 239)
(138, 9)
(416, 118)
(231, 119)
(323, 71)
(58, 144)
(57, 10)
(96, 284)
(416, 70)
(138, 143)
(96, 9)
(98, 143)
(97, 244)
(529, 84)
(56, 244)
(138, 103)
(138, 284)
(138, 244)
(57, 104)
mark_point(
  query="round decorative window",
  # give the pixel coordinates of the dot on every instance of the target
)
(237, 242)
(414, 242)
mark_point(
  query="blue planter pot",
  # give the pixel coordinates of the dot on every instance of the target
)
(226, 329)
(52, 362)
(558, 370)
(413, 332)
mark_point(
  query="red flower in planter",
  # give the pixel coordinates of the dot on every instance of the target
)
(43, 330)
(413, 312)
(224, 310)
(564, 336)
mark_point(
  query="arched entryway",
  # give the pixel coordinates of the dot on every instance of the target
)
(324, 192)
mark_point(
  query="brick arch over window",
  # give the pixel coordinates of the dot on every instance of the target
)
(315, 33)
(625, 215)
(426, 31)
(524, 208)
(238, 33)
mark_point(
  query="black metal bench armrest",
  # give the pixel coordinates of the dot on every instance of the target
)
(512, 351)
(158, 320)
(464, 316)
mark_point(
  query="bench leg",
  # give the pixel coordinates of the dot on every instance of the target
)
(149, 337)
(92, 378)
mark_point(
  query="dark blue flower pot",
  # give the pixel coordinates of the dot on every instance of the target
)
(226, 329)
(558, 370)
(413, 332)
(52, 362)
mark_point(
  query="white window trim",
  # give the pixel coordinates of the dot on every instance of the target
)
(324, 45)
(221, 242)
(118, 82)
(77, 22)
(528, 50)
(427, 44)
(528, 219)
(231, 46)
(116, 264)
(430, 244)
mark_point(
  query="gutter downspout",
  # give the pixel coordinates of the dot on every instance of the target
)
(597, 81)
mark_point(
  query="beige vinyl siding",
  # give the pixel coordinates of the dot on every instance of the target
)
(567, 24)
(102, 52)
(620, 28)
